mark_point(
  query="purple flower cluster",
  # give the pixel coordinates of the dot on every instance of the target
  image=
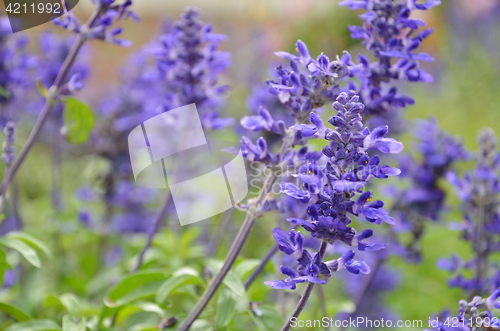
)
(306, 86)
(189, 65)
(424, 198)
(393, 37)
(311, 268)
(15, 78)
(331, 190)
(310, 83)
(479, 192)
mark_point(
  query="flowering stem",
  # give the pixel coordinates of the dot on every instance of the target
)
(52, 97)
(305, 295)
(154, 228)
(252, 214)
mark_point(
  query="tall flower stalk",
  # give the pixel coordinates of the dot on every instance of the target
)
(305, 86)
(393, 37)
(479, 192)
(334, 192)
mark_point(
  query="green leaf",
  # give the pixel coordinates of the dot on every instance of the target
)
(141, 285)
(186, 271)
(234, 283)
(70, 302)
(43, 91)
(150, 307)
(14, 312)
(23, 248)
(243, 268)
(4, 93)
(70, 325)
(3, 264)
(78, 121)
(35, 325)
(226, 307)
(32, 241)
(173, 283)
(271, 318)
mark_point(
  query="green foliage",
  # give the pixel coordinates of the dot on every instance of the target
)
(14, 312)
(141, 285)
(182, 277)
(234, 283)
(78, 121)
(4, 93)
(23, 248)
(226, 307)
(3, 264)
(41, 89)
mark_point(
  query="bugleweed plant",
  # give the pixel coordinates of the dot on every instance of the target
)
(320, 139)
